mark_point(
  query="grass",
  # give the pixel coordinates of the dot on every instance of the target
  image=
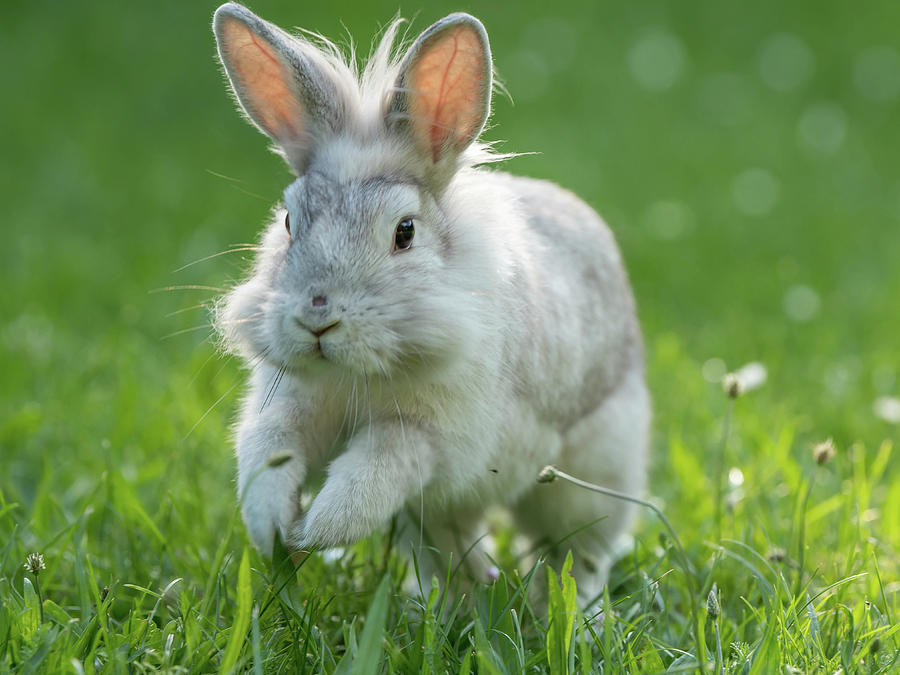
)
(751, 180)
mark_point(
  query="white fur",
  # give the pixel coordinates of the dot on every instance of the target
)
(503, 340)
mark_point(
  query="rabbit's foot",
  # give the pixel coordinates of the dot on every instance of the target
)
(270, 503)
(383, 466)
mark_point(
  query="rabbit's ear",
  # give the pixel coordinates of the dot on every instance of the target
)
(444, 88)
(279, 81)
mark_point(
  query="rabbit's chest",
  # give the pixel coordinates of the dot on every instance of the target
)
(497, 467)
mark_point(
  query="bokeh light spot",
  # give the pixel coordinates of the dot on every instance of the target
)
(755, 192)
(785, 62)
(822, 128)
(801, 303)
(877, 73)
(657, 60)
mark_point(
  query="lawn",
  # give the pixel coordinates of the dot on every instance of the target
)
(744, 154)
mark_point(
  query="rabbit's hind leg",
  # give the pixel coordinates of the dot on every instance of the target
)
(609, 448)
(451, 542)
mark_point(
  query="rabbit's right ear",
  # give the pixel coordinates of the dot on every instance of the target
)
(280, 82)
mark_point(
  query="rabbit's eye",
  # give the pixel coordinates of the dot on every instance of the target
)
(403, 236)
(287, 222)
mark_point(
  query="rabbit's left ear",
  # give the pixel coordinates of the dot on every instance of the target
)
(443, 93)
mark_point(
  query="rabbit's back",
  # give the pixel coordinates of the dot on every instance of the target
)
(579, 335)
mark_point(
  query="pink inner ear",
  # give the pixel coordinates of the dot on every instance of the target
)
(447, 98)
(265, 84)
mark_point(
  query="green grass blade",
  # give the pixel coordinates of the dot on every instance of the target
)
(561, 611)
(255, 641)
(371, 649)
(242, 620)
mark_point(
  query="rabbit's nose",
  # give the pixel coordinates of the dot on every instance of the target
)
(319, 301)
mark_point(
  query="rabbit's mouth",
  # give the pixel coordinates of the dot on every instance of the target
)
(330, 355)
(312, 353)
(322, 353)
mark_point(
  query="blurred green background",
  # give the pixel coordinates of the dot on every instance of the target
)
(745, 154)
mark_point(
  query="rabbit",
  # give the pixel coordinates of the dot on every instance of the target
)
(423, 333)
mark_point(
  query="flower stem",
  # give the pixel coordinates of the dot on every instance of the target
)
(720, 468)
(719, 658)
(37, 588)
(552, 472)
(801, 535)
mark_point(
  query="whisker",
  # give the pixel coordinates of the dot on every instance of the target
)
(202, 305)
(270, 390)
(187, 330)
(351, 427)
(277, 380)
(188, 287)
(346, 410)
(259, 357)
(251, 194)
(355, 405)
(369, 401)
(200, 369)
(255, 315)
(247, 319)
(235, 184)
(280, 378)
(211, 408)
(216, 255)
(368, 397)
(230, 179)
(219, 371)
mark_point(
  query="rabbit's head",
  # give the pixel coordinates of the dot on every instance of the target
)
(367, 265)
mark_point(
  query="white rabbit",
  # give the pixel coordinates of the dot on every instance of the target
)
(430, 332)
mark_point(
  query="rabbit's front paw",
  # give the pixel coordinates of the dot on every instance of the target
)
(360, 494)
(270, 504)
(340, 514)
(366, 486)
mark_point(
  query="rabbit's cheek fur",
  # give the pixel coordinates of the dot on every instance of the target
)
(240, 319)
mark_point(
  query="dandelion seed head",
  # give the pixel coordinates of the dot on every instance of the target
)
(824, 452)
(731, 385)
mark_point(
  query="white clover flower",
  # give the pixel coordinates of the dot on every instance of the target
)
(34, 563)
